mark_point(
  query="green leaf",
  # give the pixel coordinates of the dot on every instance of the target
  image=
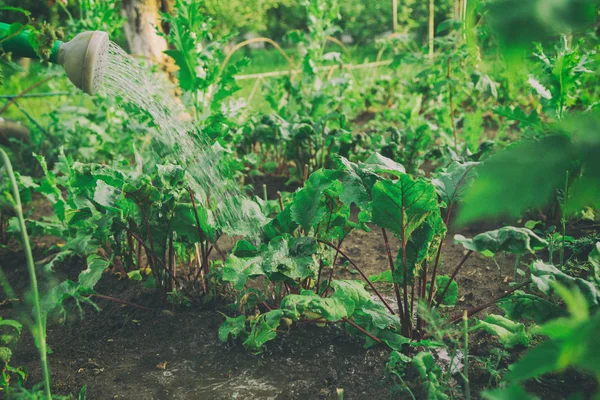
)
(594, 261)
(430, 374)
(420, 246)
(379, 164)
(452, 182)
(93, 273)
(244, 249)
(263, 329)
(385, 276)
(237, 270)
(307, 208)
(509, 239)
(5, 355)
(522, 305)
(538, 361)
(16, 325)
(234, 328)
(331, 309)
(544, 276)
(516, 170)
(511, 392)
(451, 295)
(508, 332)
(281, 224)
(402, 206)
(135, 275)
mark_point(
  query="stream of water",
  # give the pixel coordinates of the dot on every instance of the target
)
(122, 77)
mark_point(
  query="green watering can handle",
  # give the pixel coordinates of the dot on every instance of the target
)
(21, 45)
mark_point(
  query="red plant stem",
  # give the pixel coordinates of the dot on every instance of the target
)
(375, 338)
(319, 277)
(407, 323)
(490, 303)
(393, 268)
(101, 296)
(360, 272)
(458, 267)
(437, 257)
(337, 253)
(141, 242)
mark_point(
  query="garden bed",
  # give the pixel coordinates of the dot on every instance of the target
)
(129, 353)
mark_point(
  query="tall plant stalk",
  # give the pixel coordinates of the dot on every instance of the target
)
(466, 340)
(39, 330)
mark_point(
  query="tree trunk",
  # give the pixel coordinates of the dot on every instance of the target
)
(143, 18)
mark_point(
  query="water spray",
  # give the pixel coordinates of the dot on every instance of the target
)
(82, 57)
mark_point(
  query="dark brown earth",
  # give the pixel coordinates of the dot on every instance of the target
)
(121, 351)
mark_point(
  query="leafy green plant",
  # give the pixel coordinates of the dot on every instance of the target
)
(38, 327)
(299, 255)
(200, 72)
(11, 331)
(572, 342)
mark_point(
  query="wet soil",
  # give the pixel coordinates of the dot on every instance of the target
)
(124, 352)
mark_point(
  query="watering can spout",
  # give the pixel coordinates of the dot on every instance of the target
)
(83, 57)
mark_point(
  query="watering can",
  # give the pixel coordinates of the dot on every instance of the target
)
(82, 57)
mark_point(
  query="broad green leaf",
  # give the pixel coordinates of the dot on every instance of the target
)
(234, 328)
(515, 179)
(509, 239)
(522, 305)
(59, 293)
(185, 224)
(290, 258)
(540, 360)
(331, 309)
(380, 164)
(237, 270)
(430, 374)
(354, 291)
(308, 209)
(402, 206)
(508, 332)
(420, 246)
(544, 276)
(453, 181)
(244, 249)
(263, 329)
(93, 273)
(280, 225)
(451, 295)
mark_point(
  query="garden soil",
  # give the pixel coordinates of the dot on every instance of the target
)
(128, 353)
